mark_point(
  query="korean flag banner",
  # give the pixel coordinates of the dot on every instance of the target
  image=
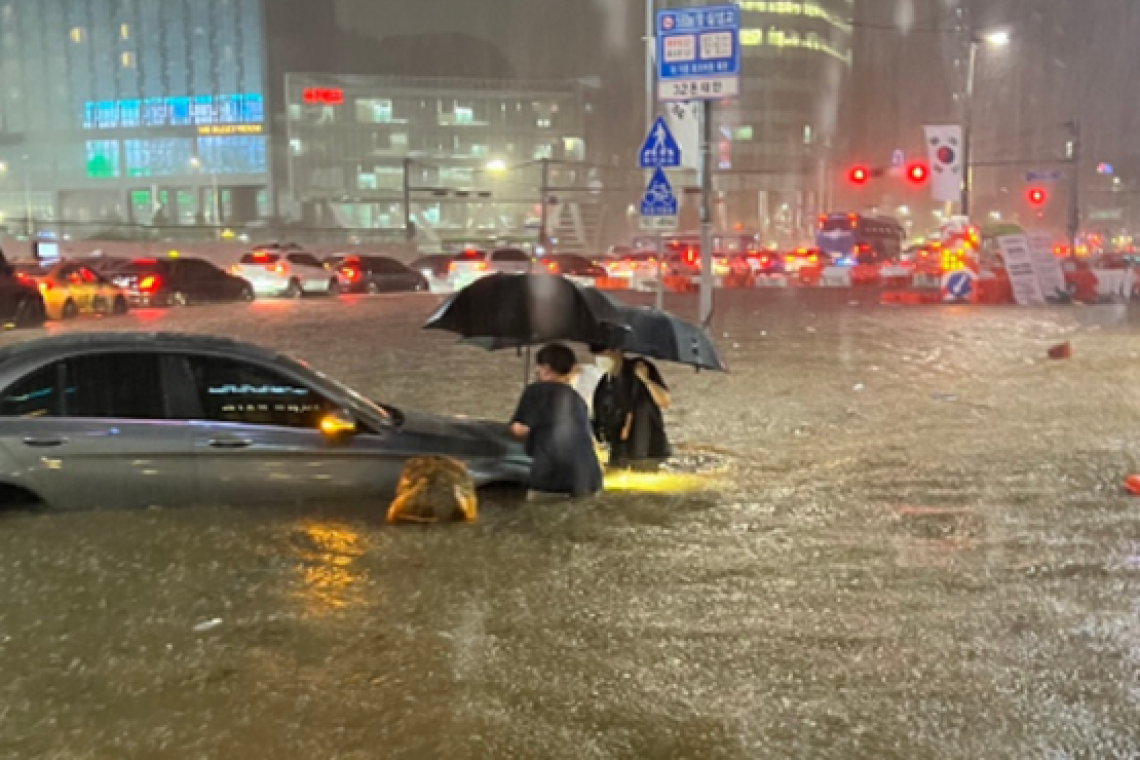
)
(945, 150)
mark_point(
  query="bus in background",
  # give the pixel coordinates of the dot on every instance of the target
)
(857, 239)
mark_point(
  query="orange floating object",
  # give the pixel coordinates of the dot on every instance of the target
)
(1132, 484)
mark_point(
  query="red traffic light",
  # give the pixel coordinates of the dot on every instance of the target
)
(918, 173)
(1037, 196)
(860, 175)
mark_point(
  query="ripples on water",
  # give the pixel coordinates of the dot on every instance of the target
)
(900, 535)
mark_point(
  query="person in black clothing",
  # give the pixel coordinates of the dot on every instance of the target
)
(628, 406)
(553, 420)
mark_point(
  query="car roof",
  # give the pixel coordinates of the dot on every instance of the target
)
(63, 344)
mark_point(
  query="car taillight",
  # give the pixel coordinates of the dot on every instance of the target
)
(275, 268)
(45, 287)
(480, 266)
(552, 267)
(813, 259)
(349, 273)
(764, 260)
(149, 283)
(789, 259)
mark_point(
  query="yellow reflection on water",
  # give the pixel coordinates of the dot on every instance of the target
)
(659, 482)
(330, 579)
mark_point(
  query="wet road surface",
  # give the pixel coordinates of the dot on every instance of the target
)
(915, 546)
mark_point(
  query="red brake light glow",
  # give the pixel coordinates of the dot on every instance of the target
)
(149, 283)
(351, 274)
(45, 287)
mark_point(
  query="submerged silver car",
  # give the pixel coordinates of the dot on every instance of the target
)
(126, 420)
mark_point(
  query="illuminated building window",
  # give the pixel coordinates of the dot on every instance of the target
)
(127, 59)
(464, 115)
(374, 111)
(808, 137)
(159, 157)
(78, 34)
(125, 32)
(742, 134)
(102, 159)
(232, 155)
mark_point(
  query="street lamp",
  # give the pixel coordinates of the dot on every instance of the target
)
(496, 166)
(995, 39)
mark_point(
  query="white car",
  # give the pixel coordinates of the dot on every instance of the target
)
(286, 273)
(472, 264)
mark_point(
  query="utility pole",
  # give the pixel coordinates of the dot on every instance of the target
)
(706, 300)
(543, 229)
(409, 234)
(968, 127)
(1074, 181)
(650, 118)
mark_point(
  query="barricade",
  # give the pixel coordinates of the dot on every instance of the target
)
(864, 274)
(996, 288)
(772, 281)
(836, 277)
(893, 276)
(611, 283)
(811, 275)
(1083, 285)
(680, 284)
(738, 280)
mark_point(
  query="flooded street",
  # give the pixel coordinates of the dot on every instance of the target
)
(914, 544)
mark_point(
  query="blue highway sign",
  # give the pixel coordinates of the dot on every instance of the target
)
(698, 53)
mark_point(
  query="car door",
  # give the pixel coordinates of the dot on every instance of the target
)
(94, 431)
(257, 440)
(71, 282)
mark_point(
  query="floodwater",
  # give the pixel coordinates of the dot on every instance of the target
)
(914, 544)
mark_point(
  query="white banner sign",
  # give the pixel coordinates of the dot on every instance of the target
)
(1048, 268)
(684, 120)
(945, 150)
(1022, 272)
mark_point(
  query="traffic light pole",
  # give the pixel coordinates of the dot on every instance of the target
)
(706, 299)
(1075, 183)
(968, 129)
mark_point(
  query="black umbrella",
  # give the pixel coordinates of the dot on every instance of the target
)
(528, 309)
(661, 335)
(642, 331)
(514, 310)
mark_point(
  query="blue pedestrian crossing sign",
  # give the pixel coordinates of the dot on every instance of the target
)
(660, 149)
(659, 199)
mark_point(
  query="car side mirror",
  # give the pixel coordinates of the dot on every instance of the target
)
(338, 425)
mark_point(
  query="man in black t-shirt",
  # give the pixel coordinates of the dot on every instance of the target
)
(553, 420)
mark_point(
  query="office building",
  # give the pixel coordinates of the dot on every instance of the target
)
(142, 111)
(467, 153)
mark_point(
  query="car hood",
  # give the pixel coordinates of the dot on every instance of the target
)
(465, 436)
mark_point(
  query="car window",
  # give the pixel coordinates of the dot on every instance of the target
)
(511, 255)
(101, 386)
(197, 268)
(119, 386)
(36, 395)
(304, 259)
(385, 266)
(240, 392)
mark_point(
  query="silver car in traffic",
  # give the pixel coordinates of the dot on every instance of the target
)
(128, 420)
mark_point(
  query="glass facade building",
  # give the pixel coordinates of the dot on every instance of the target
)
(124, 110)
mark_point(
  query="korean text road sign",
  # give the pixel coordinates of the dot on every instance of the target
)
(660, 150)
(659, 204)
(698, 53)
